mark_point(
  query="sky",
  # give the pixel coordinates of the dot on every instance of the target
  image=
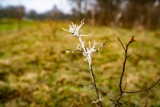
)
(39, 6)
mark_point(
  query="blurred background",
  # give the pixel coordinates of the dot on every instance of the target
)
(123, 13)
(35, 71)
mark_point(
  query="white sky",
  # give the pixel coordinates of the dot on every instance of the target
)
(39, 6)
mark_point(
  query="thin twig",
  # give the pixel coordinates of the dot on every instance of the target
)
(98, 102)
(101, 46)
(150, 87)
(149, 96)
(122, 44)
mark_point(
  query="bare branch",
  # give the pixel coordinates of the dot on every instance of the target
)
(101, 46)
(98, 101)
(122, 44)
(150, 95)
(150, 87)
(122, 91)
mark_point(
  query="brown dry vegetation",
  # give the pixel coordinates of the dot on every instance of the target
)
(35, 71)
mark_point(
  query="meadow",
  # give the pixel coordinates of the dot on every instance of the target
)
(35, 70)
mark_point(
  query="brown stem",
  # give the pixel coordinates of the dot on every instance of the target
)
(150, 87)
(122, 74)
(95, 86)
(101, 46)
(121, 92)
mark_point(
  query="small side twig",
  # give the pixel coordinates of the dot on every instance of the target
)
(101, 46)
(148, 88)
(146, 103)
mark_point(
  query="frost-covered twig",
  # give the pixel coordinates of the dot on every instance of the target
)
(76, 31)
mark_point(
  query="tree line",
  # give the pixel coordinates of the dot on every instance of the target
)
(123, 13)
(19, 12)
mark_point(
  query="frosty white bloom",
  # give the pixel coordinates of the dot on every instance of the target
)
(75, 30)
(89, 51)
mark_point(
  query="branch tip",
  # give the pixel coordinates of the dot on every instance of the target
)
(132, 40)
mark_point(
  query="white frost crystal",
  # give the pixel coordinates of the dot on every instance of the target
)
(76, 31)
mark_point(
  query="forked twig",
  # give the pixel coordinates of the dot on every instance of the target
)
(121, 90)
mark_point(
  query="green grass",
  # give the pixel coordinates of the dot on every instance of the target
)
(11, 25)
(35, 71)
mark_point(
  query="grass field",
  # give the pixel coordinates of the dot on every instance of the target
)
(35, 71)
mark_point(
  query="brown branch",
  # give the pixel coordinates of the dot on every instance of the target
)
(125, 60)
(101, 46)
(121, 90)
(150, 87)
(98, 102)
(122, 44)
(149, 96)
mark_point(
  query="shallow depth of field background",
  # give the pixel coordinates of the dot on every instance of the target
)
(35, 71)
